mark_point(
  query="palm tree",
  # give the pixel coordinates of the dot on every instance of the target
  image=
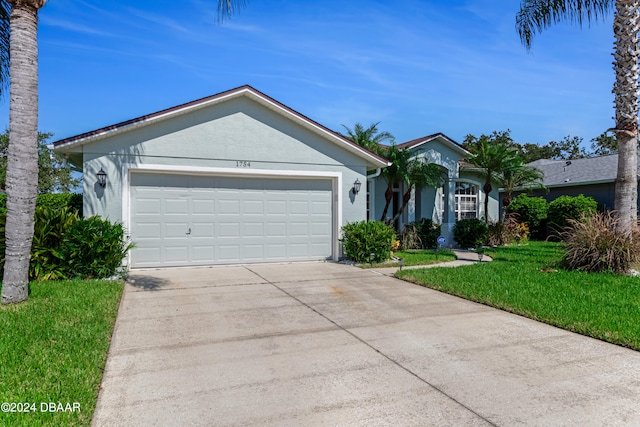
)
(536, 15)
(369, 138)
(396, 173)
(420, 174)
(518, 175)
(22, 153)
(492, 157)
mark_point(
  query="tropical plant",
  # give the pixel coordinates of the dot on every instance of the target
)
(20, 19)
(369, 138)
(518, 175)
(537, 15)
(51, 224)
(396, 173)
(419, 174)
(94, 248)
(492, 154)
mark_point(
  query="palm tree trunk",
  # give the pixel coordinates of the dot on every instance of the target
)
(406, 197)
(22, 153)
(388, 196)
(487, 190)
(625, 28)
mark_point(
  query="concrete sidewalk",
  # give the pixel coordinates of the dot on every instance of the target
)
(463, 258)
(318, 344)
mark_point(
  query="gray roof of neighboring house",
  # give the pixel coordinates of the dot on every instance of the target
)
(591, 170)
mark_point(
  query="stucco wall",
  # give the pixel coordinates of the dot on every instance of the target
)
(238, 135)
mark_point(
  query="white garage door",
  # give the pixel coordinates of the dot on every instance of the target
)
(181, 220)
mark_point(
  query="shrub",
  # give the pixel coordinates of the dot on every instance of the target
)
(470, 232)
(409, 238)
(361, 239)
(421, 234)
(594, 244)
(532, 211)
(428, 232)
(565, 208)
(55, 201)
(507, 231)
(94, 248)
(51, 225)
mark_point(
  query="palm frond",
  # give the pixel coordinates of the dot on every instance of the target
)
(228, 8)
(537, 15)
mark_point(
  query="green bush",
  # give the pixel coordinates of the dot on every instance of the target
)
(470, 232)
(566, 208)
(533, 212)
(51, 224)
(66, 246)
(594, 244)
(55, 201)
(94, 248)
(421, 234)
(362, 239)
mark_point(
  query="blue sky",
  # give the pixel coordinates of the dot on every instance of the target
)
(418, 67)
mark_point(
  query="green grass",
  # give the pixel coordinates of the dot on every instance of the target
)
(526, 280)
(416, 257)
(53, 348)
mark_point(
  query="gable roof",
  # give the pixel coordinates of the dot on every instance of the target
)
(436, 136)
(69, 144)
(591, 170)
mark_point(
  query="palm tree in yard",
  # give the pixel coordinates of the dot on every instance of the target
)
(536, 15)
(492, 157)
(22, 153)
(518, 175)
(419, 174)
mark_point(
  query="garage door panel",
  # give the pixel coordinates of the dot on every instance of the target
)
(228, 207)
(231, 219)
(174, 230)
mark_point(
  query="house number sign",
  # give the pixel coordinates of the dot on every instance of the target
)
(243, 164)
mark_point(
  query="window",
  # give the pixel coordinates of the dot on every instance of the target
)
(466, 200)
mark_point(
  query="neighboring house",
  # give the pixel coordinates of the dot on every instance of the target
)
(592, 176)
(460, 197)
(236, 177)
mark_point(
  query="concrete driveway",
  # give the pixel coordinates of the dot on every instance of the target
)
(325, 344)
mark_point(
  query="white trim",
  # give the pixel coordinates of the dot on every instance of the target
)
(336, 179)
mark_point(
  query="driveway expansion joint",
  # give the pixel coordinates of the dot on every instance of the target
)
(378, 351)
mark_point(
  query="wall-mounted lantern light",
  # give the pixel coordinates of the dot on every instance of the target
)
(102, 178)
(356, 186)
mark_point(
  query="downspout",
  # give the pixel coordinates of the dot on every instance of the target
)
(375, 175)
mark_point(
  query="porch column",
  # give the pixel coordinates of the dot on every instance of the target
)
(449, 211)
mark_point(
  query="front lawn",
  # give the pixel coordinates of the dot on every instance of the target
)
(53, 350)
(526, 280)
(416, 257)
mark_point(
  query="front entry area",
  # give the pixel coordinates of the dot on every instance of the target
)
(182, 220)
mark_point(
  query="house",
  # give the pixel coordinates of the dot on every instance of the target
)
(460, 197)
(592, 176)
(236, 177)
